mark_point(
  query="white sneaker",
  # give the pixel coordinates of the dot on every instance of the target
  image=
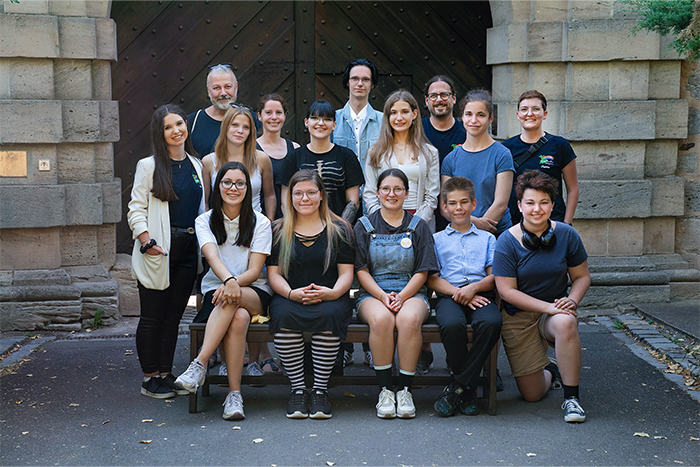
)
(386, 407)
(404, 406)
(573, 411)
(348, 358)
(253, 369)
(233, 406)
(368, 358)
(222, 369)
(193, 377)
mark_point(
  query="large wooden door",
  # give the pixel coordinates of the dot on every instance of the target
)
(298, 49)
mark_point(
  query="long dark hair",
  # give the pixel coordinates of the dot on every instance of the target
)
(162, 177)
(246, 218)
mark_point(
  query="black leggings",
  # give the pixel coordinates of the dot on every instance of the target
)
(161, 310)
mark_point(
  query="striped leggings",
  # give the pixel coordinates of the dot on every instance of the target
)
(324, 350)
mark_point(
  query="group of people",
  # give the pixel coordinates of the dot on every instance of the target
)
(405, 207)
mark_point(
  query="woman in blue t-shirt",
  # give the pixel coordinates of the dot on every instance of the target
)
(485, 162)
(532, 264)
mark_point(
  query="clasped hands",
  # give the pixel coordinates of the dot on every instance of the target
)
(392, 300)
(564, 305)
(311, 294)
(227, 294)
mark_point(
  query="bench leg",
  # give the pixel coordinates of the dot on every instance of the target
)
(493, 363)
(193, 403)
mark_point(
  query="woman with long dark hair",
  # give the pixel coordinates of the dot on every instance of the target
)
(310, 271)
(166, 198)
(236, 240)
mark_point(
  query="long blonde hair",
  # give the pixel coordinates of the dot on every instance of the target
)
(381, 150)
(250, 157)
(283, 229)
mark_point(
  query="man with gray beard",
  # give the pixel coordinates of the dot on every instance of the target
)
(205, 124)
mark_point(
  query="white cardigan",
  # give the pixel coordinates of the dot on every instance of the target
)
(428, 184)
(148, 213)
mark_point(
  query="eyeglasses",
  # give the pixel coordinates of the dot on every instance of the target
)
(526, 110)
(433, 96)
(228, 184)
(309, 194)
(220, 65)
(323, 119)
(355, 80)
(239, 106)
(385, 190)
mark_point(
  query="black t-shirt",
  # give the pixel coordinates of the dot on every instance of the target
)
(205, 130)
(424, 258)
(276, 169)
(339, 169)
(444, 141)
(306, 264)
(550, 159)
(188, 188)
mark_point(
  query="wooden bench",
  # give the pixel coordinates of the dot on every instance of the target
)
(357, 333)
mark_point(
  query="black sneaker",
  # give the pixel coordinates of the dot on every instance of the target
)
(468, 404)
(155, 388)
(556, 376)
(425, 362)
(169, 381)
(320, 404)
(449, 400)
(298, 404)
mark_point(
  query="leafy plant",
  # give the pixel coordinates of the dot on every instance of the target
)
(96, 322)
(680, 18)
(619, 325)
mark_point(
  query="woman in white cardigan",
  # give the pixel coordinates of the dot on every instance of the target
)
(403, 145)
(166, 198)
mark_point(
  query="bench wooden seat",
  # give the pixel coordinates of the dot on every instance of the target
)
(357, 333)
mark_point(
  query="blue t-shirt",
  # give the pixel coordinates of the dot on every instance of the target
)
(188, 189)
(550, 159)
(204, 131)
(541, 274)
(464, 257)
(481, 168)
(444, 141)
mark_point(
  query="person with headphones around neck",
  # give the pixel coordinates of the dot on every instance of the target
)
(532, 264)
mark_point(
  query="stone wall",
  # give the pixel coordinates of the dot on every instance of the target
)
(59, 198)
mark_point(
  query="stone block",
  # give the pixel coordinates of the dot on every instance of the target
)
(112, 202)
(588, 82)
(586, 10)
(35, 153)
(625, 237)
(27, 316)
(614, 199)
(692, 197)
(550, 10)
(29, 249)
(5, 78)
(629, 80)
(671, 119)
(108, 307)
(129, 304)
(84, 204)
(78, 245)
(41, 277)
(509, 81)
(630, 278)
(609, 40)
(509, 12)
(106, 39)
(693, 121)
(610, 160)
(98, 8)
(35, 7)
(664, 79)
(685, 291)
(545, 42)
(666, 196)
(618, 120)
(106, 245)
(75, 163)
(103, 288)
(6, 278)
(688, 163)
(109, 121)
(81, 121)
(28, 36)
(90, 273)
(547, 79)
(26, 206)
(666, 52)
(101, 80)
(77, 37)
(32, 122)
(104, 162)
(31, 293)
(30, 78)
(73, 79)
(621, 264)
(659, 235)
(594, 234)
(506, 44)
(68, 7)
(604, 296)
(505, 122)
(660, 159)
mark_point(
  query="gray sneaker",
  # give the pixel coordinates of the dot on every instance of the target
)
(193, 377)
(233, 406)
(573, 412)
(253, 369)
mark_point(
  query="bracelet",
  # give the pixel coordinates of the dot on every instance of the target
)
(573, 301)
(289, 295)
(231, 277)
(147, 246)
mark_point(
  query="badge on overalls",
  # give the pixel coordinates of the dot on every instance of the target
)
(406, 242)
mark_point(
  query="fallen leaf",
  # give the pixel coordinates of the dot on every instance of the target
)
(310, 436)
(258, 440)
(84, 425)
(693, 438)
(236, 428)
(678, 462)
(161, 424)
(25, 432)
(348, 394)
(105, 422)
(468, 434)
(30, 375)
(203, 427)
(146, 441)
(641, 434)
(330, 463)
(74, 405)
(590, 450)
(530, 454)
(147, 420)
(660, 437)
(93, 379)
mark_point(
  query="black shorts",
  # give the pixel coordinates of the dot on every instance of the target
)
(208, 306)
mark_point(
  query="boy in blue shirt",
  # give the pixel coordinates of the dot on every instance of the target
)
(466, 289)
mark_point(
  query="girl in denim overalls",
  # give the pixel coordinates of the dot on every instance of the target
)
(395, 254)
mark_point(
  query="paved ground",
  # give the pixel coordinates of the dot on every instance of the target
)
(684, 316)
(77, 402)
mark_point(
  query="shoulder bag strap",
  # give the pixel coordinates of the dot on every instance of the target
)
(530, 152)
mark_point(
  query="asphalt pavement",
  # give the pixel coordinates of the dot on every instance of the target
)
(77, 402)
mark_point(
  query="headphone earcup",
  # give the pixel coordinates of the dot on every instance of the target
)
(533, 243)
(530, 241)
(548, 239)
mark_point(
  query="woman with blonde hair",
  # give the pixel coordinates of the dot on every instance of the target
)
(403, 145)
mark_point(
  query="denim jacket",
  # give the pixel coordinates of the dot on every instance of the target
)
(344, 133)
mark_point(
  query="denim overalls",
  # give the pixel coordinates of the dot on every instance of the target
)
(391, 260)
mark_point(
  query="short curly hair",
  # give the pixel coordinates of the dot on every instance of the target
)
(536, 180)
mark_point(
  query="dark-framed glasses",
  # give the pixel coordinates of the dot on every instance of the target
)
(228, 184)
(433, 96)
